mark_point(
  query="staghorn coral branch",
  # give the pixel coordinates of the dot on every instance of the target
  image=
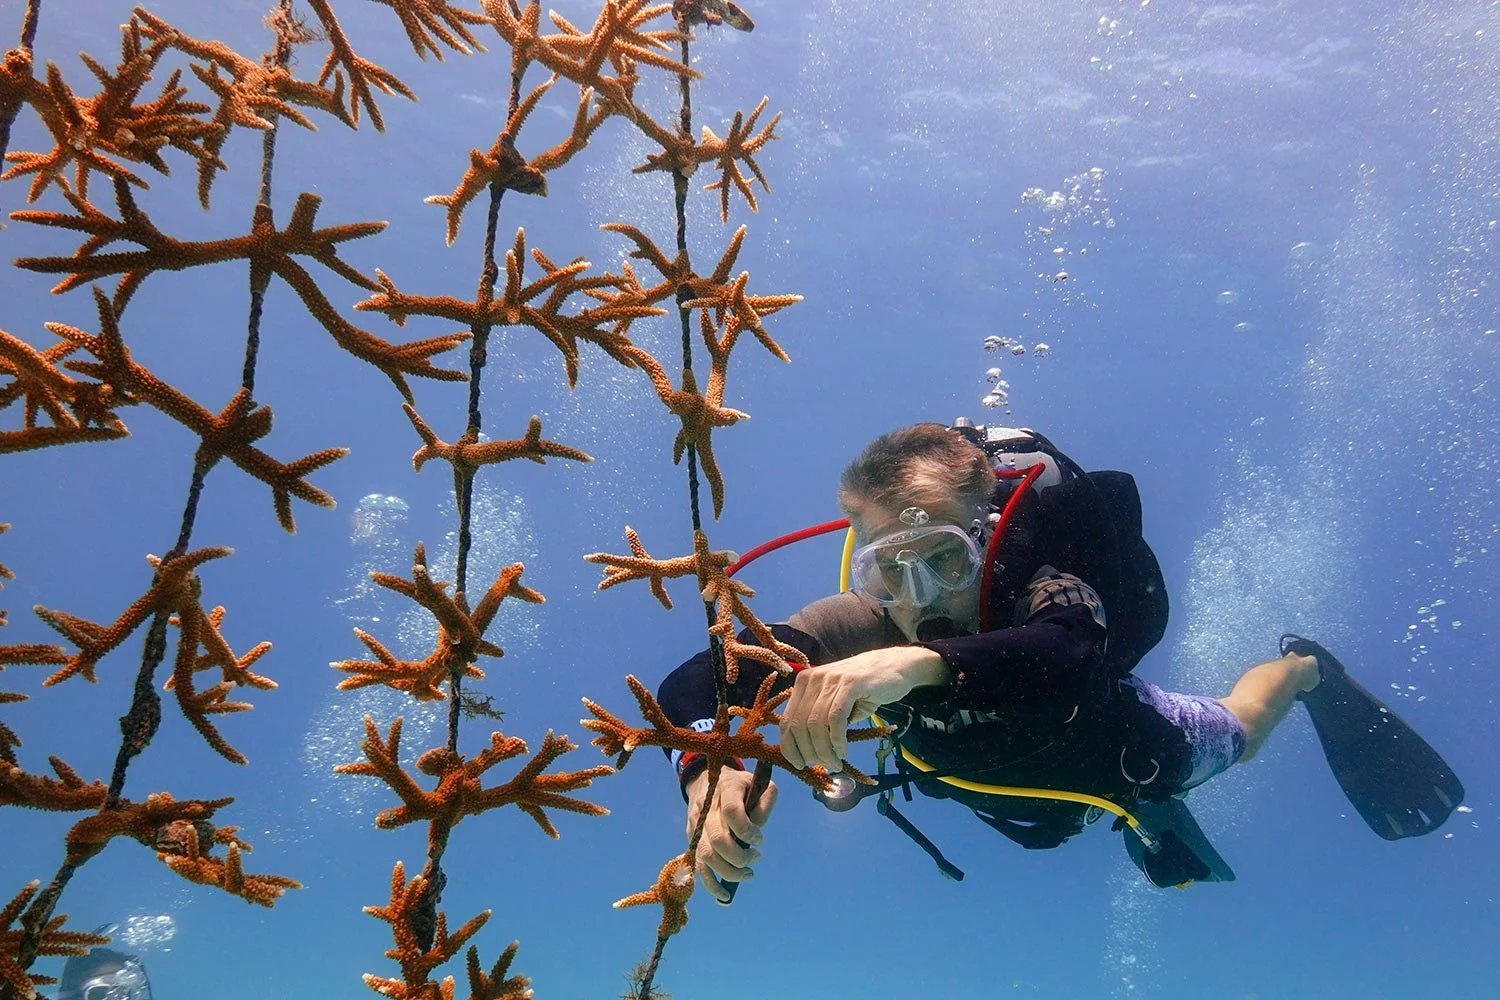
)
(618, 740)
(460, 790)
(174, 586)
(495, 985)
(78, 411)
(180, 849)
(404, 913)
(252, 94)
(228, 434)
(265, 247)
(363, 74)
(681, 155)
(716, 292)
(427, 22)
(617, 36)
(460, 633)
(52, 941)
(197, 629)
(468, 453)
(640, 566)
(96, 133)
(674, 885)
(518, 304)
(65, 793)
(501, 168)
(160, 823)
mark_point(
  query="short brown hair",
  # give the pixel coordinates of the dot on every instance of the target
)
(925, 465)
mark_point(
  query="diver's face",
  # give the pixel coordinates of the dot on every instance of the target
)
(961, 607)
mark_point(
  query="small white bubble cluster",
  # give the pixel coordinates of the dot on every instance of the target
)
(142, 931)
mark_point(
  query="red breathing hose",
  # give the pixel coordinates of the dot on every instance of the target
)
(776, 543)
(1027, 477)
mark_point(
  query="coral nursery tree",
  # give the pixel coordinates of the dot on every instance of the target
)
(106, 139)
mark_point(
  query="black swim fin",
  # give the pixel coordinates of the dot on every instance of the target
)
(1400, 786)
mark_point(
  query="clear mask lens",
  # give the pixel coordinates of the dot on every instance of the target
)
(916, 567)
(126, 983)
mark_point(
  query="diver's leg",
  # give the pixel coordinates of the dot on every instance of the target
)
(1262, 697)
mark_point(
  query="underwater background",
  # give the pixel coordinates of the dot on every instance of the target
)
(1278, 226)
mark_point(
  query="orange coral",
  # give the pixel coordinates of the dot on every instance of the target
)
(468, 453)
(640, 565)
(460, 791)
(495, 984)
(229, 434)
(269, 251)
(78, 411)
(460, 633)
(179, 848)
(427, 22)
(88, 132)
(674, 885)
(680, 154)
(198, 629)
(718, 745)
(363, 74)
(714, 585)
(519, 304)
(53, 941)
(65, 793)
(252, 94)
(417, 963)
(174, 586)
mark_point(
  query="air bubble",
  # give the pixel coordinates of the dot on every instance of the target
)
(1227, 298)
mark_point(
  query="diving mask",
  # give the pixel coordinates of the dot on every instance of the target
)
(918, 565)
(128, 982)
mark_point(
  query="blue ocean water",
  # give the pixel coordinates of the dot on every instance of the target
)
(1278, 226)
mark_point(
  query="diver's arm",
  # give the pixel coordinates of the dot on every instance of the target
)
(828, 629)
(1053, 657)
(687, 695)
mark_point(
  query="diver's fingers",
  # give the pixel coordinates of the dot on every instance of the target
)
(711, 885)
(794, 743)
(819, 732)
(734, 816)
(727, 870)
(736, 813)
(840, 706)
(763, 807)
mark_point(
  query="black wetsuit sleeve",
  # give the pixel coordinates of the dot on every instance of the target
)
(1054, 657)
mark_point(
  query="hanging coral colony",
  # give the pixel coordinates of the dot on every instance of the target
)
(76, 388)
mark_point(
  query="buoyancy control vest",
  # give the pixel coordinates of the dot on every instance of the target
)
(1111, 745)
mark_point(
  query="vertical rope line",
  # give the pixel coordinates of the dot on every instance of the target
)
(644, 985)
(424, 915)
(139, 724)
(260, 278)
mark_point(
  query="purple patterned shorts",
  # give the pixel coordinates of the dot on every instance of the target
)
(1215, 737)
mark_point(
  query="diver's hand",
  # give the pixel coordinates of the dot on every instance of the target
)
(718, 851)
(826, 699)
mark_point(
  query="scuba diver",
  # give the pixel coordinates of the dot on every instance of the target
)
(104, 974)
(997, 599)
